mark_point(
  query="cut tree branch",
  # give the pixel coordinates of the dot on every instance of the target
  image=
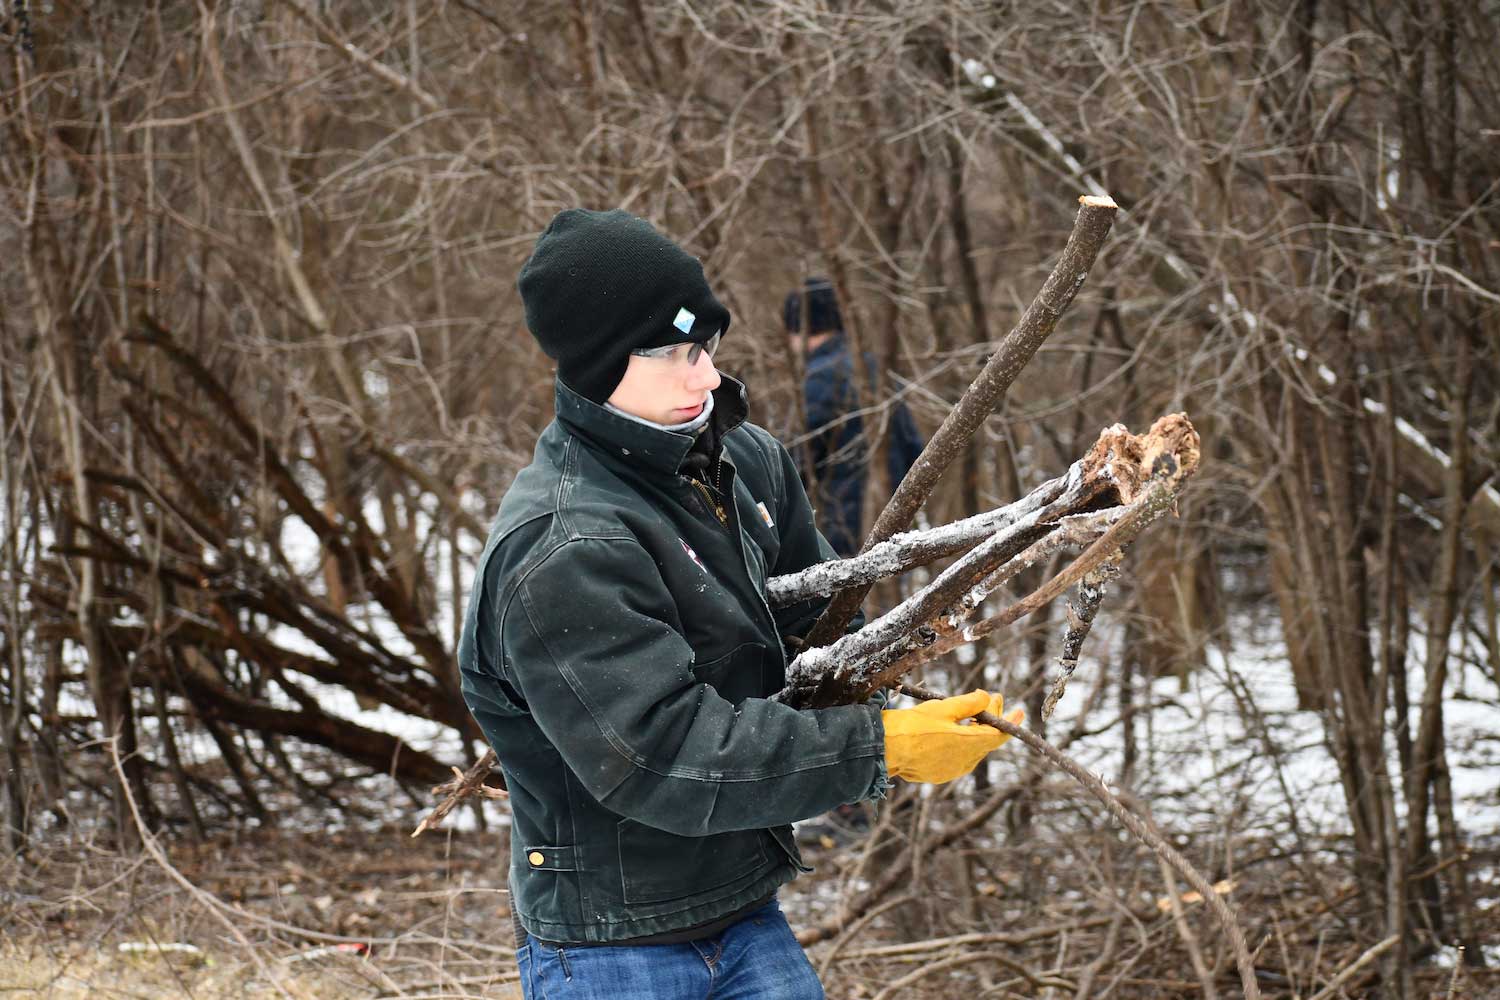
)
(1143, 473)
(464, 785)
(1080, 620)
(914, 548)
(1095, 217)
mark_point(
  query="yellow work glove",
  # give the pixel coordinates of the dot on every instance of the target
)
(927, 743)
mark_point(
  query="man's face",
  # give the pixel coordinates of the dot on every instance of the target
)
(666, 390)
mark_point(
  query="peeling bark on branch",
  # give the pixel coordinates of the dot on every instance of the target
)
(912, 548)
(1080, 620)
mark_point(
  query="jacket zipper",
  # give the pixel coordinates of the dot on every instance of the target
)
(719, 512)
(744, 559)
(787, 848)
(713, 505)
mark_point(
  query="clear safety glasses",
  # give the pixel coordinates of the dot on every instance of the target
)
(689, 352)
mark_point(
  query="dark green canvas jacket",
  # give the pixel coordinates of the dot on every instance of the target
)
(617, 652)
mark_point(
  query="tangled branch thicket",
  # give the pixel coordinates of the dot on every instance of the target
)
(264, 376)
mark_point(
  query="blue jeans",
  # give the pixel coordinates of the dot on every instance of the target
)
(758, 957)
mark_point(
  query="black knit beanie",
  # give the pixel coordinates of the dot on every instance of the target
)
(602, 284)
(822, 308)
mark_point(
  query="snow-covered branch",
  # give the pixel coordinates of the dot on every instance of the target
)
(1142, 474)
(917, 548)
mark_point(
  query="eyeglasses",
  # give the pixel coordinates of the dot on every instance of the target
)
(674, 352)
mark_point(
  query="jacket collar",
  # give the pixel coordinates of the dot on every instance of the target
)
(642, 444)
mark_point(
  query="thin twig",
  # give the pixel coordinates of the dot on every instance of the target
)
(1189, 939)
(853, 930)
(1370, 955)
(1458, 965)
(1036, 982)
(207, 900)
(358, 57)
(970, 940)
(899, 872)
(464, 784)
(1090, 594)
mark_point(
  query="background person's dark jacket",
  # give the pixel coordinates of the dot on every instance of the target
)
(618, 651)
(838, 447)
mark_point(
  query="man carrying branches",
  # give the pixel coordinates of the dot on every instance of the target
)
(624, 644)
(620, 654)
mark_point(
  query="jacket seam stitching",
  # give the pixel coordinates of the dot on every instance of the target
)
(610, 736)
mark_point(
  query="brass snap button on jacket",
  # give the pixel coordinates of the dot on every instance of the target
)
(536, 857)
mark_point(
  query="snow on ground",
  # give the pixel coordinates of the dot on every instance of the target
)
(1203, 764)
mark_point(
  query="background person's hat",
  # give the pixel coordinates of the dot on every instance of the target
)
(822, 308)
(599, 285)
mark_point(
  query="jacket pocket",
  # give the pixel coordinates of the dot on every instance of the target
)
(546, 886)
(755, 560)
(737, 675)
(656, 866)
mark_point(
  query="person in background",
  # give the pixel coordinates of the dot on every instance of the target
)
(619, 654)
(838, 451)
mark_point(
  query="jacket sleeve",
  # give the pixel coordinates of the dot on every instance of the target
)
(608, 678)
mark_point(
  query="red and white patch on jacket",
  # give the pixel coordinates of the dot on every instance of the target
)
(693, 555)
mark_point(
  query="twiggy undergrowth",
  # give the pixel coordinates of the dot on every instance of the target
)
(1071, 904)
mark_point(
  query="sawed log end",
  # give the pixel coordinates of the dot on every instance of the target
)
(1128, 462)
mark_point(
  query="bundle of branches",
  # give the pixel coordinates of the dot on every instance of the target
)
(1101, 505)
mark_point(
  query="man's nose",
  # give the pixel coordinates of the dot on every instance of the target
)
(703, 374)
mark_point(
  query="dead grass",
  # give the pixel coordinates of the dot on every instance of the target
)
(431, 911)
(435, 915)
(36, 967)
